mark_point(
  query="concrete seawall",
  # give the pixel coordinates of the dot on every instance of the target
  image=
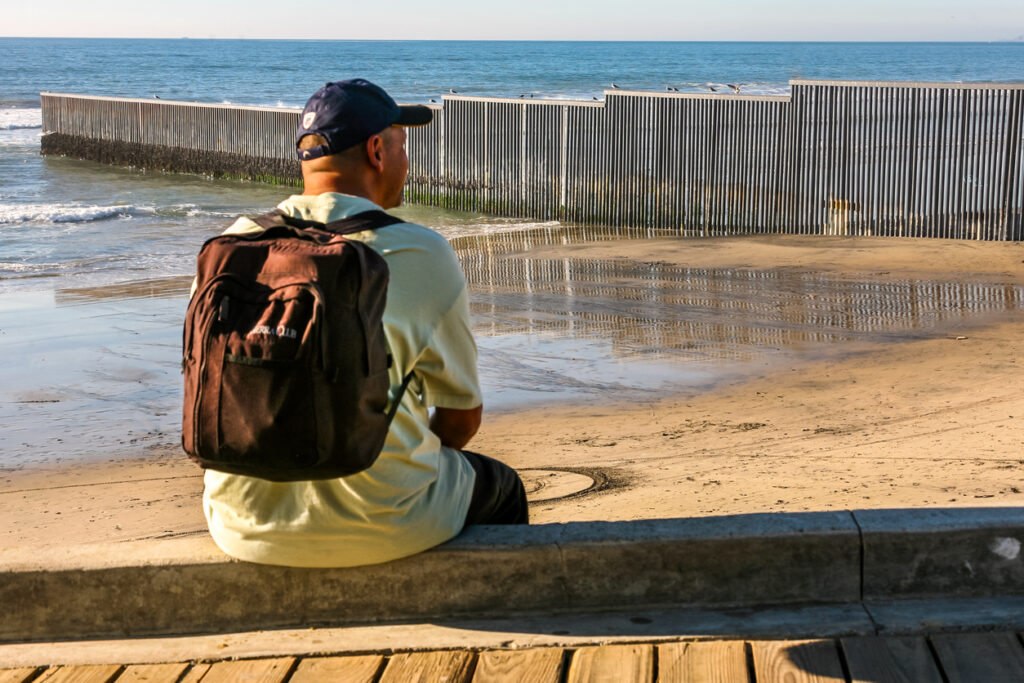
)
(187, 585)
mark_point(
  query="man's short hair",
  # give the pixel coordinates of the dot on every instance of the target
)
(308, 141)
(350, 154)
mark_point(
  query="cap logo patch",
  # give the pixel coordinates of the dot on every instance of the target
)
(307, 120)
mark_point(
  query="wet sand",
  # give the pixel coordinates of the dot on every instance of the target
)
(912, 398)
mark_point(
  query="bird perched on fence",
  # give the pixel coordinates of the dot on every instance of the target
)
(712, 88)
(615, 87)
(452, 92)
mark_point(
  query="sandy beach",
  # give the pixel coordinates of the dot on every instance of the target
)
(933, 418)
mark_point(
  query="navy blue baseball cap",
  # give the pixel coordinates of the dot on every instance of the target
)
(346, 113)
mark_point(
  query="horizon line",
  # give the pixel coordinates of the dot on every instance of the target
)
(1018, 39)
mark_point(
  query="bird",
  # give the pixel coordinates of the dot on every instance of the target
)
(735, 88)
(452, 92)
(155, 96)
(712, 88)
(522, 96)
(593, 98)
(671, 89)
(615, 86)
(434, 101)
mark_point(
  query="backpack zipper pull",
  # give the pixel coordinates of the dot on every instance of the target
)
(224, 309)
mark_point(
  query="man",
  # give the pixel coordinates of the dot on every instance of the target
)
(422, 490)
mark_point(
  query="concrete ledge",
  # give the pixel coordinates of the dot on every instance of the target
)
(942, 552)
(186, 585)
(712, 561)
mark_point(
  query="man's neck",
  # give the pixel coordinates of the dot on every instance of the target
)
(319, 183)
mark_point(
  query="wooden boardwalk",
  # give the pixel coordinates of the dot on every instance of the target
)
(963, 657)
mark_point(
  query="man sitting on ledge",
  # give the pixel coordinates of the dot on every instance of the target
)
(422, 490)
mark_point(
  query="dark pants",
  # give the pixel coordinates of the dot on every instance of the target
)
(498, 493)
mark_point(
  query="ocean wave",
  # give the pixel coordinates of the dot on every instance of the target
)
(101, 270)
(452, 232)
(767, 88)
(279, 104)
(57, 213)
(188, 210)
(19, 119)
(72, 213)
(682, 87)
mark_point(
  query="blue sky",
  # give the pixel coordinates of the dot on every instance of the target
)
(940, 20)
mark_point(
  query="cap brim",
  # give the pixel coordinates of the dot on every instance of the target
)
(414, 115)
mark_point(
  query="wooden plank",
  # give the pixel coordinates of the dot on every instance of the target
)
(980, 657)
(890, 660)
(16, 675)
(707, 662)
(801, 661)
(153, 673)
(103, 673)
(417, 667)
(612, 664)
(196, 673)
(256, 670)
(349, 669)
(537, 665)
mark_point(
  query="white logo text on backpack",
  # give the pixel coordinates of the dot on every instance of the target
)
(268, 331)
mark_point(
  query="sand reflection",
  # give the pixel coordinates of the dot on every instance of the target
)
(589, 326)
(152, 288)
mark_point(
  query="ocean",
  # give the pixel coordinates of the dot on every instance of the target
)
(95, 260)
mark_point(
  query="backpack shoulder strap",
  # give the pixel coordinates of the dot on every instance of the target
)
(277, 223)
(367, 220)
(278, 218)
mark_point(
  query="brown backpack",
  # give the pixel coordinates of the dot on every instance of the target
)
(285, 359)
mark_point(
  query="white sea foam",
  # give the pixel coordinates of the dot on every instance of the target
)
(17, 119)
(81, 213)
(725, 89)
(279, 104)
(60, 213)
(187, 210)
(492, 227)
(16, 267)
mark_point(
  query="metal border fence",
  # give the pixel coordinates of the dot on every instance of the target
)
(834, 157)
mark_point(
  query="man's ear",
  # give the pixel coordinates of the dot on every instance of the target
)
(375, 152)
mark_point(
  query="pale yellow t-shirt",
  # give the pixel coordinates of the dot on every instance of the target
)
(416, 494)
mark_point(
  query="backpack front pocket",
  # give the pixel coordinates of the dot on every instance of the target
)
(261, 350)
